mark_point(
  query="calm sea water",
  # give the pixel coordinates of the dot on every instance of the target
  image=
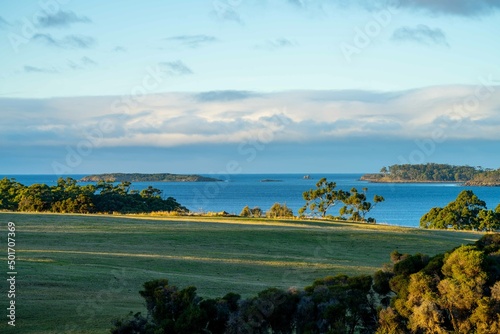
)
(404, 203)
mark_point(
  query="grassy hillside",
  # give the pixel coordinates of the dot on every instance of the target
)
(78, 272)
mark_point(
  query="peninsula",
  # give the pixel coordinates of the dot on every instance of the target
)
(435, 173)
(137, 177)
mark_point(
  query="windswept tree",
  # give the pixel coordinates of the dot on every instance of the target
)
(323, 198)
(357, 206)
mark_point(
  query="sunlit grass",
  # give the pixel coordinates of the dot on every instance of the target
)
(78, 272)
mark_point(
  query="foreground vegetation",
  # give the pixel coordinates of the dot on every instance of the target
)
(76, 273)
(432, 172)
(455, 292)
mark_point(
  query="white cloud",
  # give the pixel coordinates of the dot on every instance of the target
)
(174, 119)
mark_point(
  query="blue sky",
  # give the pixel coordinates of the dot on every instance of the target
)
(266, 86)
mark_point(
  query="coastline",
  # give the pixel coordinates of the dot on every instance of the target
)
(463, 183)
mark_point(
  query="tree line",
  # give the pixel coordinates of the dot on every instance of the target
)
(67, 196)
(458, 291)
(430, 172)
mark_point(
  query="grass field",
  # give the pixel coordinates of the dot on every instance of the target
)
(78, 272)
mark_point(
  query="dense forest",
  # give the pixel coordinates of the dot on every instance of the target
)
(137, 177)
(455, 292)
(67, 196)
(433, 172)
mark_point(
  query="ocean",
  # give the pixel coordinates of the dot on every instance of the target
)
(404, 203)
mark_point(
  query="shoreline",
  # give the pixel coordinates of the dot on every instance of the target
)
(463, 184)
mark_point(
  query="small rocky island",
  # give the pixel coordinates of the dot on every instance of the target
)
(436, 173)
(137, 177)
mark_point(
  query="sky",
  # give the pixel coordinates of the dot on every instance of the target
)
(247, 86)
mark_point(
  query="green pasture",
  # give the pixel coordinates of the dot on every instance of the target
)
(75, 273)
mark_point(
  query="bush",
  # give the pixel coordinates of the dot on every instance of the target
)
(279, 211)
(246, 212)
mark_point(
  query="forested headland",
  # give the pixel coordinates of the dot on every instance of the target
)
(432, 172)
(139, 177)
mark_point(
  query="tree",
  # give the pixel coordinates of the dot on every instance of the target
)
(36, 198)
(279, 211)
(463, 285)
(256, 212)
(173, 310)
(422, 306)
(322, 198)
(390, 322)
(69, 197)
(489, 220)
(246, 212)
(357, 206)
(10, 191)
(462, 213)
(151, 192)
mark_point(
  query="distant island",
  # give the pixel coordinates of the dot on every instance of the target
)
(436, 173)
(136, 177)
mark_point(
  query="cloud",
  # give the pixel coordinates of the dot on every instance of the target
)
(314, 8)
(119, 49)
(192, 41)
(452, 7)
(3, 23)
(176, 68)
(88, 61)
(82, 63)
(421, 34)
(68, 42)
(225, 117)
(465, 8)
(33, 69)
(275, 44)
(298, 3)
(60, 19)
(224, 95)
(226, 11)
